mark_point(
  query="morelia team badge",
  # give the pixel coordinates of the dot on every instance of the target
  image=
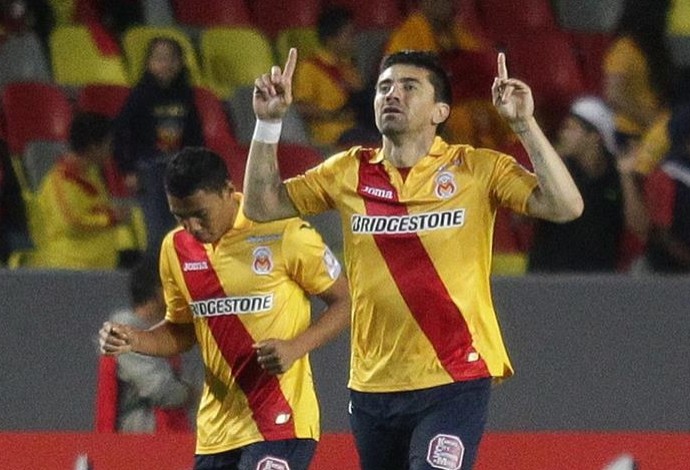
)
(446, 186)
(263, 260)
(272, 463)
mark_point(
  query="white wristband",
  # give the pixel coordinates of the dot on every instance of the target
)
(267, 132)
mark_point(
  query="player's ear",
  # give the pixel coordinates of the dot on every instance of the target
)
(441, 113)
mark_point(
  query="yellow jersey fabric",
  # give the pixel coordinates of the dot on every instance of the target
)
(252, 285)
(418, 257)
(76, 228)
(625, 58)
(322, 80)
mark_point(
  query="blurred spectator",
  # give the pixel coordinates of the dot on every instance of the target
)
(435, 26)
(20, 16)
(638, 70)
(668, 201)
(14, 233)
(79, 222)
(154, 394)
(158, 119)
(329, 91)
(586, 142)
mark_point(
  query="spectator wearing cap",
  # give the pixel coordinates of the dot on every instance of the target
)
(586, 142)
(667, 197)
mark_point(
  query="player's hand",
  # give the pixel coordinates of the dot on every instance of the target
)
(273, 91)
(114, 338)
(275, 356)
(513, 98)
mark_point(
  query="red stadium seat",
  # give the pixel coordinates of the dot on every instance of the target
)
(294, 159)
(372, 14)
(501, 18)
(546, 61)
(104, 99)
(272, 17)
(208, 13)
(218, 135)
(35, 111)
(590, 49)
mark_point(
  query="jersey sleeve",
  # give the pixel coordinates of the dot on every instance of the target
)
(316, 190)
(310, 263)
(177, 306)
(511, 183)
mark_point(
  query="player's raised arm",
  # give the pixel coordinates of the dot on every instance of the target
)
(265, 195)
(557, 197)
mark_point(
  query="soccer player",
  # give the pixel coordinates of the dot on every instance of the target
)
(240, 289)
(418, 218)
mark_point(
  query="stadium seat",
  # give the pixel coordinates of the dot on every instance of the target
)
(305, 39)
(243, 119)
(553, 73)
(77, 60)
(501, 18)
(35, 111)
(158, 12)
(39, 157)
(22, 59)
(295, 159)
(590, 16)
(211, 13)
(135, 42)
(104, 99)
(590, 49)
(228, 66)
(369, 47)
(372, 14)
(218, 135)
(271, 17)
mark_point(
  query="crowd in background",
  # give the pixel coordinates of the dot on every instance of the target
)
(620, 120)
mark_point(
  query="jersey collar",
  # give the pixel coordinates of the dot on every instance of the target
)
(438, 148)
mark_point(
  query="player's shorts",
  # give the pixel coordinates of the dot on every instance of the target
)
(437, 428)
(290, 454)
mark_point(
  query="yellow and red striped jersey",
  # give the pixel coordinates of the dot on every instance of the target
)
(252, 285)
(418, 256)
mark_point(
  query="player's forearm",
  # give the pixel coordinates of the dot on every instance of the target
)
(329, 325)
(164, 339)
(557, 197)
(265, 195)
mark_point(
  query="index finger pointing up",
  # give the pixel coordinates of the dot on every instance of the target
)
(502, 69)
(290, 63)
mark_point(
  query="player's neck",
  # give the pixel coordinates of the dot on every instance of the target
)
(404, 151)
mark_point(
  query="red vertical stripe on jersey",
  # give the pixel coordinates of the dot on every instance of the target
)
(419, 283)
(261, 389)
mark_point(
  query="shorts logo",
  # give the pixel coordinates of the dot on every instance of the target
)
(272, 463)
(446, 186)
(194, 266)
(445, 452)
(263, 260)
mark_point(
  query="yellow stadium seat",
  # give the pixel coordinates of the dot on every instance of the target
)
(306, 40)
(77, 61)
(234, 57)
(136, 39)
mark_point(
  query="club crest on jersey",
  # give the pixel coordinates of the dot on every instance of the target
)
(272, 463)
(263, 260)
(446, 186)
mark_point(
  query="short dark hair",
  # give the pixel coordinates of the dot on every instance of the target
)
(144, 281)
(89, 129)
(331, 21)
(426, 60)
(193, 169)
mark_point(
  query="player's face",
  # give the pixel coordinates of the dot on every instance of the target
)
(404, 101)
(207, 215)
(164, 62)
